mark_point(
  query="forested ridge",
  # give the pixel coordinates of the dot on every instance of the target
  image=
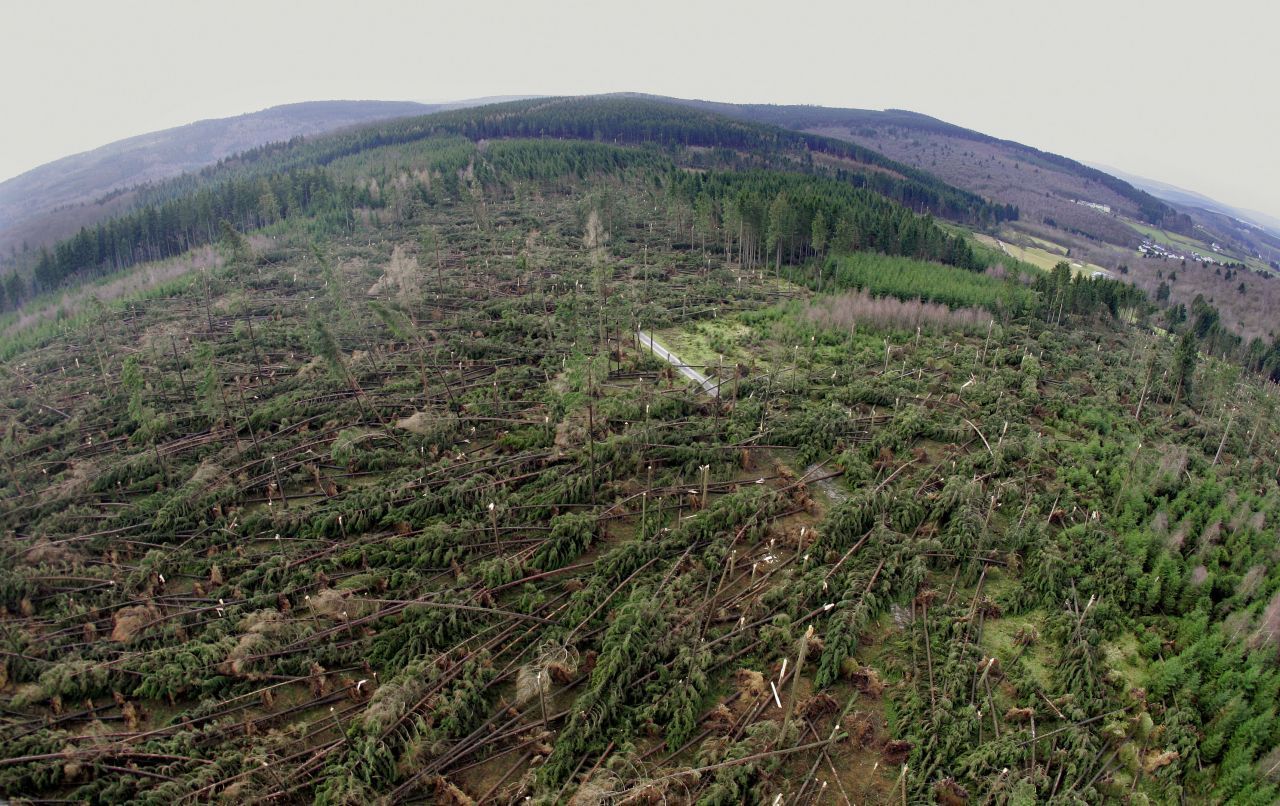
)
(384, 498)
(264, 185)
(641, 121)
(1152, 209)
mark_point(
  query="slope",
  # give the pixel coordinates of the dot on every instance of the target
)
(260, 186)
(390, 504)
(1068, 210)
(79, 189)
(1190, 198)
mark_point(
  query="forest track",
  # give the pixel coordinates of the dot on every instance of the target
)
(708, 385)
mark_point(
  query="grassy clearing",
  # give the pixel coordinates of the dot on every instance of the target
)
(705, 345)
(987, 248)
(1167, 238)
(1123, 656)
(998, 638)
(1048, 246)
(1042, 257)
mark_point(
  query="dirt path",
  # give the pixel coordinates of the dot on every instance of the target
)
(711, 387)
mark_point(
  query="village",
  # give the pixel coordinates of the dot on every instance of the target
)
(1154, 250)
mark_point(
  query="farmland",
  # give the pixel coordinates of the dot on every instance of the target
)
(1039, 253)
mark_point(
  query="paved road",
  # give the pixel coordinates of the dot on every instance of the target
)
(708, 385)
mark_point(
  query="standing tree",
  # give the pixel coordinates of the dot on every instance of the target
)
(1184, 366)
(818, 238)
(429, 251)
(234, 245)
(781, 226)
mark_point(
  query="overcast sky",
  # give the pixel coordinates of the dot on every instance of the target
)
(1183, 92)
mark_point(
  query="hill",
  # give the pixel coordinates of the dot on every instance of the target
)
(1047, 187)
(260, 186)
(980, 164)
(1191, 199)
(599, 450)
(1257, 232)
(54, 200)
(1069, 210)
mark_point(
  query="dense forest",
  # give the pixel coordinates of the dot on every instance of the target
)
(639, 121)
(1152, 210)
(388, 497)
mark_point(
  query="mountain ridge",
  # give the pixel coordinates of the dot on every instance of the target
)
(94, 178)
(1060, 197)
(1175, 194)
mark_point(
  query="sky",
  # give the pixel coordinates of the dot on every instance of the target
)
(1182, 92)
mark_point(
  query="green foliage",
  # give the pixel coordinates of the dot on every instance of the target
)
(906, 278)
(570, 535)
(630, 645)
(1184, 365)
(776, 213)
(979, 524)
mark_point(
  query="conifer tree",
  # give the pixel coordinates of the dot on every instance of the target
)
(1184, 366)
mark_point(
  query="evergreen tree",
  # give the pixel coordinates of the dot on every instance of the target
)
(1184, 366)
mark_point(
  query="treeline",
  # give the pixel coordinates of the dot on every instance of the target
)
(910, 279)
(1153, 210)
(1052, 297)
(796, 214)
(530, 160)
(629, 120)
(170, 228)
(279, 181)
(157, 232)
(620, 121)
(1204, 322)
(771, 217)
(1061, 294)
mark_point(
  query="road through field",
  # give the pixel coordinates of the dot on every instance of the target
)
(708, 385)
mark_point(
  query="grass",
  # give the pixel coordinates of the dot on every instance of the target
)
(1184, 243)
(1049, 246)
(702, 344)
(1040, 257)
(985, 247)
(1123, 656)
(1170, 239)
(997, 639)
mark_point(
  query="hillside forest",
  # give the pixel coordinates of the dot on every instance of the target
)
(379, 496)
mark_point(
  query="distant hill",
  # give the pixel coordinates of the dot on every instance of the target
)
(1058, 198)
(966, 158)
(309, 176)
(1189, 198)
(56, 199)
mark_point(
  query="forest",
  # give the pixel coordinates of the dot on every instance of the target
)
(905, 123)
(385, 500)
(282, 180)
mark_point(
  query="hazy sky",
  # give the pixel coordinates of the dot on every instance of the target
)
(1184, 92)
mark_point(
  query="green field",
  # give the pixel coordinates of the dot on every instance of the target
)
(1170, 239)
(1040, 256)
(1186, 244)
(708, 343)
